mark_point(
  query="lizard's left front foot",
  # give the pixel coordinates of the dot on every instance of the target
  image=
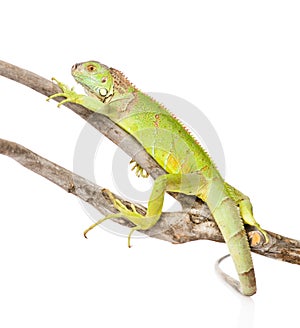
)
(69, 94)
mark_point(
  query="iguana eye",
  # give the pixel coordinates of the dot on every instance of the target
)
(91, 68)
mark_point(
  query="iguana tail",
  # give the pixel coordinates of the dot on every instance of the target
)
(227, 217)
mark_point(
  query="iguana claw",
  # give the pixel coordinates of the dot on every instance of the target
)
(69, 94)
(131, 214)
(139, 171)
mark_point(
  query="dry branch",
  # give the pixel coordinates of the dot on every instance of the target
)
(177, 227)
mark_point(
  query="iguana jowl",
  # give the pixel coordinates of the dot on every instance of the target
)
(190, 169)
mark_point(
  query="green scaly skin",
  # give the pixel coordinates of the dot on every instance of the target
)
(190, 169)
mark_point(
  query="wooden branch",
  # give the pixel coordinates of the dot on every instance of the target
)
(176, 227)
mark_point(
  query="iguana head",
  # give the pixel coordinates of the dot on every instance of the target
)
(101, 81)
(96, 79)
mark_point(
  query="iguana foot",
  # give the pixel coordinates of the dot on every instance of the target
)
(140, 221)
(69, 94)
(246, 212)
(263, 232)
(248, 218)
(139, 171)
(256, 238)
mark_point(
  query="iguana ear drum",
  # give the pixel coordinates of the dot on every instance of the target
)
(103, 92)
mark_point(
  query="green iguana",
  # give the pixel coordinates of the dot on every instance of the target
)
(190, 169)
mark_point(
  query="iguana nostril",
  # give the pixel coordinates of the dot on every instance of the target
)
(74, 67)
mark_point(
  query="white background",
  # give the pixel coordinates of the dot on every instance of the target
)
(238, 61)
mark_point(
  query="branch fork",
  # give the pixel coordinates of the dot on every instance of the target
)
(177, 227)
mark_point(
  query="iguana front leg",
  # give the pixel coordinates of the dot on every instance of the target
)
(73, 97)
(114, 109)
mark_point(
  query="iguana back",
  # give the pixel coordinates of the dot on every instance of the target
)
(163, 136)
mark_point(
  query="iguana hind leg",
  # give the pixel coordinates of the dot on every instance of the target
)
(224, 209)
(186, 183)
